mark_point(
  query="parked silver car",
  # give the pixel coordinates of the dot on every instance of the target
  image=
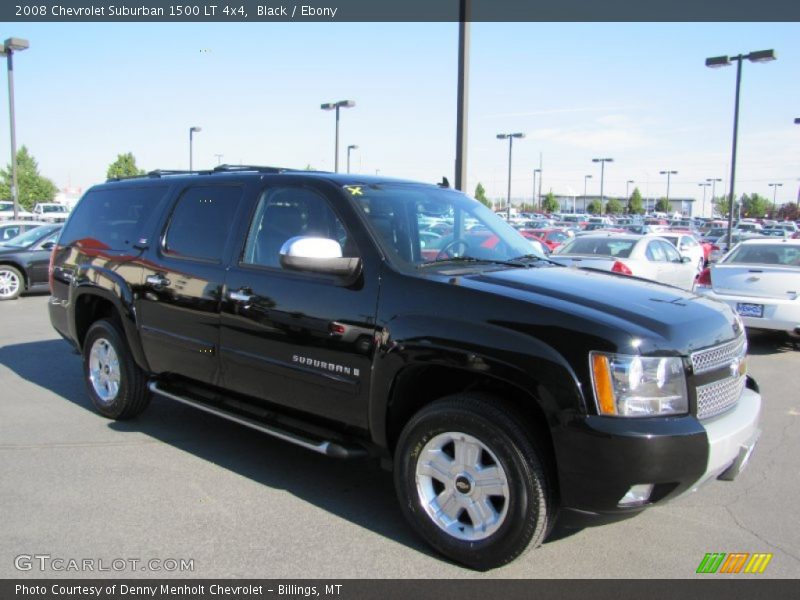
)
(645, 256)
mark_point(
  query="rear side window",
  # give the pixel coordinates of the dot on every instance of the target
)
(201, 221)
(112, 218)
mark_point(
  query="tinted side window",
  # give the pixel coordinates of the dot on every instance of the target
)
(201, 221)
(112, 218)
(286, 212)
(655, 251)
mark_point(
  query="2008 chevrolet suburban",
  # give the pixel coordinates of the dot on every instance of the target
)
(504, 390)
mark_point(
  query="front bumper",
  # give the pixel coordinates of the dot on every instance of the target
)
(600, 458)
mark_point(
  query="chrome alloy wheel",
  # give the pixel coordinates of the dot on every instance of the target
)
(462, 486)
(104, 371)
(9, 283)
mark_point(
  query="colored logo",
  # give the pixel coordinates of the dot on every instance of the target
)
(735, 562)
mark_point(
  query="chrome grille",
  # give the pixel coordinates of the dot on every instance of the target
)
(715, 398)
(719, 356)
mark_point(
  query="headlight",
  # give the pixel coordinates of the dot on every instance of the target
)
(637, 386)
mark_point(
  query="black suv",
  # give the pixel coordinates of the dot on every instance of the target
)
(358, 315)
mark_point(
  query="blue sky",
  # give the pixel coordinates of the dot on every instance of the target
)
(639, 93)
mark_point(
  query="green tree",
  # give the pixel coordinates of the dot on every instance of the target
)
(614, 206)
(124, 166)
(721, 203)
(480, 195)
(33, 187)
(663, 205)
(755, 206)
(635, 204)
(594, 207)
(550, 204)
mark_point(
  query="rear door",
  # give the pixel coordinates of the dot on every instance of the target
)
(300, 340)
(179, 302)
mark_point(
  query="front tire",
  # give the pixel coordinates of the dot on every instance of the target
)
(116, 384)
(471, 481)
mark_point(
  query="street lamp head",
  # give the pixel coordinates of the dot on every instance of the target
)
(537, 170)
(797, 120)
(195, 129)
(587, 176)
(761, 56)
(327, 106)
(718, 61)
(518, 135)
(667, 172)
(602, 160)
(16, 44)
(502, 136)
(352, 147)
(630, 181)
(345, 104)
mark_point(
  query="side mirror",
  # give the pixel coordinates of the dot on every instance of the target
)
(317, 255)
(685, 259)
(47, 246)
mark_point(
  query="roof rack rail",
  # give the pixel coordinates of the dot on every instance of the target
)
(257, 168)
(218, 169)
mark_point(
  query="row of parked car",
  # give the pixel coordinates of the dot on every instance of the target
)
(49, 212)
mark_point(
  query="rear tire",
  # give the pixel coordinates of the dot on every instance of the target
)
(12, 283)
(116, 384)
(471, 481)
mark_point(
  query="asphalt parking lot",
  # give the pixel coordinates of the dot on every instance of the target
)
(179, 484)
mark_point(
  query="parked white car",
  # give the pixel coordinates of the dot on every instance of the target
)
(645, 256)
(51, 212)
(687, 245)
(7, 211)
(760, 280)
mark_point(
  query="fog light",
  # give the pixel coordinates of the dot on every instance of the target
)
(637, 495)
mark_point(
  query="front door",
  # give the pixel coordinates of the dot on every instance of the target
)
(298, 339)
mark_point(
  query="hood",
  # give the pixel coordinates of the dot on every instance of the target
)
(660, 315)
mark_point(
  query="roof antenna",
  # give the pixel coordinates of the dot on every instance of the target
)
(444, 183)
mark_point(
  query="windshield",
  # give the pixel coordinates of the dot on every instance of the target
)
(31, 236)
(51, 208)
(6, 206)
(765, 254)
(418, 225)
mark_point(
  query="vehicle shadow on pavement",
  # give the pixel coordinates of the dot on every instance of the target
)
(764, 343)
(356, 490)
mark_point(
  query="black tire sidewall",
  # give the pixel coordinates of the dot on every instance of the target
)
(525, 480)
(117, 407)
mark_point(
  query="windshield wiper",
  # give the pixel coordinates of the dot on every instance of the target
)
(471, 259)
(535, 258)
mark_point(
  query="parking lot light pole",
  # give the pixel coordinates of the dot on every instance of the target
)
(336, 106)
(725, 61)
(704, 185)
(510, 137)
(8, 48)
(774, 187)
(349, 148)
(668, 174)
(602, 162)
(585, 179)
(627, 188)
(714, 181)
(192, 130)
(533, 199)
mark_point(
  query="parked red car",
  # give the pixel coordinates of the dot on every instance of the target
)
(552, 238)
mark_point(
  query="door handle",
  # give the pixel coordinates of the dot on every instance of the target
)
(240, 296)
(157, 280)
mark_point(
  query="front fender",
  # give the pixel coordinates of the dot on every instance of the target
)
(489, 350)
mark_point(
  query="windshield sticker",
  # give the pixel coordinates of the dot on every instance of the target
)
(355, 190)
